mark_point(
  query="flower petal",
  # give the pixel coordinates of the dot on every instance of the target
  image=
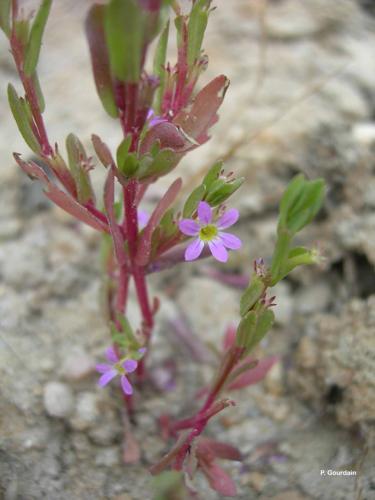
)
(107, 377)
(228, 218)
(194, 250)
(189, 227)
(111, 355)
(142, 350)
(130, 365)
(103, 368)
(143, 218)
(218, 250)
(230, 241)
(126, 386)
(204, 212)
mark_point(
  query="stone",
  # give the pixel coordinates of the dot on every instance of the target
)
(58, 399)
(87, 411)
(77, 365)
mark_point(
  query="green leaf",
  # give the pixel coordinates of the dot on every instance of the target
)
(161, 164)
(159, 63)
(35, 39)
(77, 158)
(168, 227)
(130, 165)
(124, 26)
(122, 150)
(169, 485)
(191, 203)
(307, 206)
(213, 174)
(290, 197)
(251, 295)
(39, 94)
(21, 29)
(197, 26)
(22, 118)
(220, 192)
(5, 16)
(265, 321)
(246, 329)
(298, 256)
(280, 254)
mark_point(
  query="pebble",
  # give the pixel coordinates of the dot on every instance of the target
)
(364, 133)
(307, 354)
(87, 411)
(77, 365)
(274, 381)
(108, 457)
(58, 399)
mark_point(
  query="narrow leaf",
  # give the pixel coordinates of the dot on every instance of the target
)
(35, 38)
(109, 198)
(191, 203)
(159, 67)
(102, 151)
(144, 248)
(61, 199)
(100, 59)
(5, 16)
(78, 161)
(124, 24)
(203, 113)
(253, 375)
(22, 120)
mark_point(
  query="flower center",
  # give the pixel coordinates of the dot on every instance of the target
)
(208, 233)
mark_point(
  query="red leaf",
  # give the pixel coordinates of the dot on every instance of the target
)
(203, 113)
(63, 200)
(254, 375)
(102, 151)
(109, 198)
(169, 136)
(229, 336)
(144, 248)
(219, 449)
(99, 57)
(219, 480)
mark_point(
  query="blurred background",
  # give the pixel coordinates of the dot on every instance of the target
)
(302, 98)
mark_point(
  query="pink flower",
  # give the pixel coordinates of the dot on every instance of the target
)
(118, 367)
(211, 233)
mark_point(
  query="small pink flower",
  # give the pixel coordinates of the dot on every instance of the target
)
(143, 218)
(118, 367)
(211, 233)
(154, 119)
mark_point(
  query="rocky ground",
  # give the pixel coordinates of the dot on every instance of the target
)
(302, 99)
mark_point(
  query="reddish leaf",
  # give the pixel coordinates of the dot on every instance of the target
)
(99, 58)
(254, 375)
(131, 451)
(168, 136)
(229, 336)
(63, 200)
(144, 248)
(203, 113)
(219, 449)
(109, 198)
(102, 151)
(219, 480)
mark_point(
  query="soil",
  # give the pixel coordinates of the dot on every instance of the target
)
(302, 98)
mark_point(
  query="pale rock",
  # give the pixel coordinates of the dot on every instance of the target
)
(58, 399)
(77, 365)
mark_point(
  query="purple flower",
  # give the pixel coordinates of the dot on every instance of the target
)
(118, 367)
(154, 119)
(143, 218)
(211, 233)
